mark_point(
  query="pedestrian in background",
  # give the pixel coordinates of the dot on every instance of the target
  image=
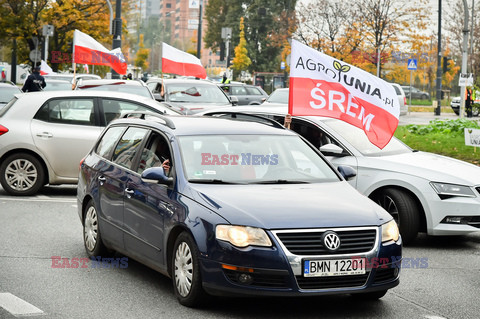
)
(35, 82)
(468, 102)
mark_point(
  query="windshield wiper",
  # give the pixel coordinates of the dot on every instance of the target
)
(281, 181)
(211, 181)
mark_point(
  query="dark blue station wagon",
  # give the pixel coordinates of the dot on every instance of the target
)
(229, 207)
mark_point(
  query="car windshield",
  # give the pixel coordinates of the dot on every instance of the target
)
(6, 93)
(195, 93)
(57, 86)
(357, 138)
(278, 96)
(252, 159)
(120, 87)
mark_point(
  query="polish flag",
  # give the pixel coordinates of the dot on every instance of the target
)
(181, 63)
(324, 86)
(86, 50)
(45, 68)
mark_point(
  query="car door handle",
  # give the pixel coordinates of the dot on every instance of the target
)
(101, 179)
(45, 135)
(129, 192)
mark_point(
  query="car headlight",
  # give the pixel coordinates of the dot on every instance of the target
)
(390, 231)
(448, 190)
(242, 236)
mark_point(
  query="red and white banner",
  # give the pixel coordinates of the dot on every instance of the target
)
(45, 68)
(182, 63)
(86, 50)
(321, 85)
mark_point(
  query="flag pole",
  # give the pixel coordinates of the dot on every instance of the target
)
(73, 60)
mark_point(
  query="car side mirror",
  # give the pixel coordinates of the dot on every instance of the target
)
(331, 149)
(234, 100)
(347, 172)
(158, 97)
(156, 175)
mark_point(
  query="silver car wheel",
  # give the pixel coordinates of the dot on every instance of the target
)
(21, 175)
(183, 269)
(91, 228)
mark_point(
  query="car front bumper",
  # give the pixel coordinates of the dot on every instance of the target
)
(273, 272)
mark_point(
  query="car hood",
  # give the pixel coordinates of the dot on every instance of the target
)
(290, 205)
(429, 166)
(193, 108)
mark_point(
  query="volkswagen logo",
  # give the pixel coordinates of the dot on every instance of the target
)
(331, 240)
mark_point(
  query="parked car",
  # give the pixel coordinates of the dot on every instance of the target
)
(245, 93)
(57, 85)
(402, 99)
(126, 86)
(69, 76)
(279, 96)
(244, 208)
(455, 105)
(7, 92)
(416, 93)
(190, 96)
(44, 135)
(423, 192)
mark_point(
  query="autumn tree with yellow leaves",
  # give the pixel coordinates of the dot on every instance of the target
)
(241, 61)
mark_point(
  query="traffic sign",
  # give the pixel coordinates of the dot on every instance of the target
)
(35, 55)
(282, 65)
(465, 79)
(412, 64)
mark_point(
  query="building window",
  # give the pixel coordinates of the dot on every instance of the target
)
(168, 5)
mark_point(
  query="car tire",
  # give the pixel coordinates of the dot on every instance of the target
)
(424, 97)
(92, 237)
(187, 281)
(403, 209)
(22, 174)
(374, 295)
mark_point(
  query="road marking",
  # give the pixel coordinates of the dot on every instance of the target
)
(17, 306)
(434, 317)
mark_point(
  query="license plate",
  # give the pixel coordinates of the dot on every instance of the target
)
(337, 267)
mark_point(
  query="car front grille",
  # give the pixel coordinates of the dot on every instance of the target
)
(305, 243)
(332, 281)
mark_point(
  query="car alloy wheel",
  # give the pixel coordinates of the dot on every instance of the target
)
(403, 209)
(21, 174)
(187, 282)
(91, 232)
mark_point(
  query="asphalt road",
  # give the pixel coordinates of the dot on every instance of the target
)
(445, 284)
(423, 118)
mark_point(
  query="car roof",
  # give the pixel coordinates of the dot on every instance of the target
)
(109, 82)
(45, 95)
(7, 84)
(181, 125)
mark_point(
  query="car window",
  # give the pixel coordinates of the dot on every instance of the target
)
(397, 90)
(131, 89)
(127, 147)
(195, 93)
(113, 109)
(238, 90)
(253, 91)
(68, 111)
(278, 96)
(6, 93)
(108, 141)
(155, 152)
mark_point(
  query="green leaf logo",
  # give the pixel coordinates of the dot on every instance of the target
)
(340, 68)
(337, 65)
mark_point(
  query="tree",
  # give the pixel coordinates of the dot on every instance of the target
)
(267, 25)
(141, 58)
(241, 61)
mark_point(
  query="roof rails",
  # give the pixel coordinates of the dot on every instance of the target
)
(256, 118)
(142, 115)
